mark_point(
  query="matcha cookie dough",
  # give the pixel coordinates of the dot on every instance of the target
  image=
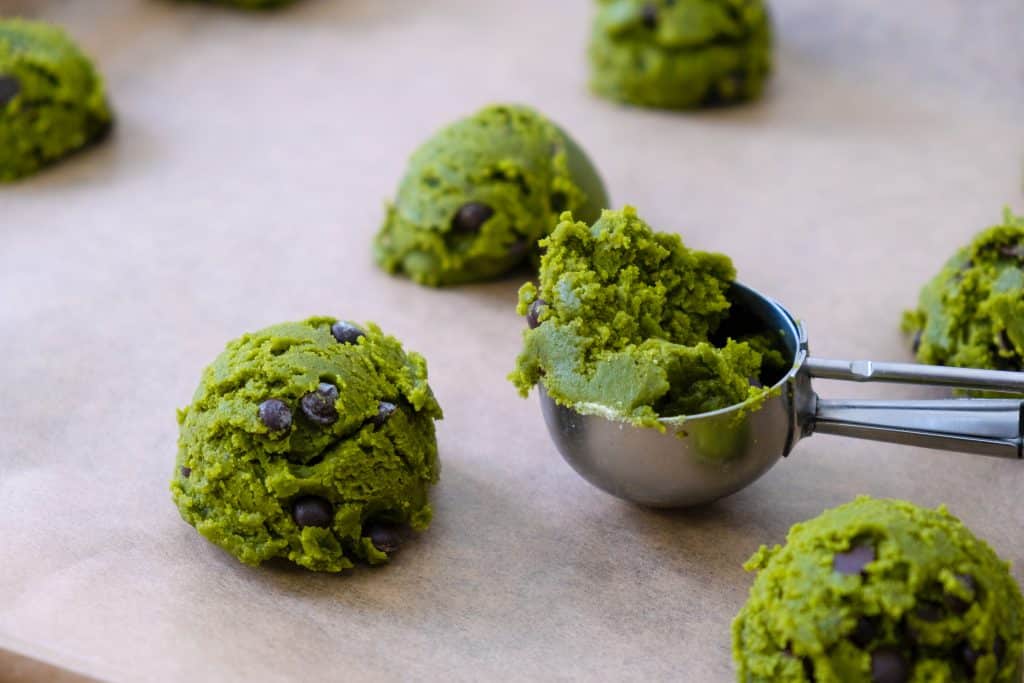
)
(880, 591)
(680, 54)
(972, 313)
(52, 101)
(479, 194)
(311, 441)
(623, 322)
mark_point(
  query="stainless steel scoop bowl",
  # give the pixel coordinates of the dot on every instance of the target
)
(701, 458)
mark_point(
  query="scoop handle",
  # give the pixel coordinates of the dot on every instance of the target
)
(983, 426)
(913, 373)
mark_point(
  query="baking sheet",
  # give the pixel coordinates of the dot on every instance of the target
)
(243, 184)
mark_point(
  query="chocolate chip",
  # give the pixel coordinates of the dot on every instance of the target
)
(853, 560)
(312, 511)
(346, 332)
(999, 649)
(186, 471)
(809, 669)
(533, 313)
(888, 665)
(969, 656)
(384, 410)
(318, 405)
(275, 414)
(929, 611)
(916, 344)
(9, 89)
(519, 249)
(559, 202)
(649, 16)
(1013, 251)
(470, 217)
(865, 632)
(958, 605)
(385, 536)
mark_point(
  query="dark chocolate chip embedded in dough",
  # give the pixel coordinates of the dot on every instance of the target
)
(999, 649)
(318, 405)
(888, 665)
(929, 611)
(346, 332)
(519, 249)
(275, 414)
(186, 471)
(865, 632)
(470, 217)
(9, 88)
(969, 656)
(533, 313)
(809, 669)
(956, 604)
(649, 16)
(1013, 251)
(384, 411)
(385, 536)
(853, 560)
(312, 511)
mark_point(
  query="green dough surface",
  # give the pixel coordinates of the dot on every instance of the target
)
(880, 584)
(237, 480)
(972, 313)
(626, 320)
(680, 54)
(52, 100)
(508, 158)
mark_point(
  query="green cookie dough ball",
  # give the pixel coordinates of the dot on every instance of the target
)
(972, 313)
(479, 194)
(680, 54)
(52, 100)
(880, 591)
(312, 441)
(623, 321)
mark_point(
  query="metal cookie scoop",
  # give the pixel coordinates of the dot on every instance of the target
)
(701, 458)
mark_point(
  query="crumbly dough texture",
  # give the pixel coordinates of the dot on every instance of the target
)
(971, 314)
(626, 323)
(933, 593)
(680, 54)
(235, 479)
(509, 158)
(52, 100)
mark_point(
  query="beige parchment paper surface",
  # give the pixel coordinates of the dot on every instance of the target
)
(243, 184)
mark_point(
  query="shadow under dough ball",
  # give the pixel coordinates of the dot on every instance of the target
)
(52, 100)
(971, 314)
(880, 591)
(479, 194)
(311, 441)
(680, 54)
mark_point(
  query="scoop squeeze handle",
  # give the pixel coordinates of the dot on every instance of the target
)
(971, 425)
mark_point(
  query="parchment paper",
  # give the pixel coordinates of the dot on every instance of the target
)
(246, 177)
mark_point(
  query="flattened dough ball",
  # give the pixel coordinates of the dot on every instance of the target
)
(52, 100)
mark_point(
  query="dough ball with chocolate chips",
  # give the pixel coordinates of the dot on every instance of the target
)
(971, 314)
(680, 54)
(52, 100)
(303, 443)
(479, 194)
(880, 591)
